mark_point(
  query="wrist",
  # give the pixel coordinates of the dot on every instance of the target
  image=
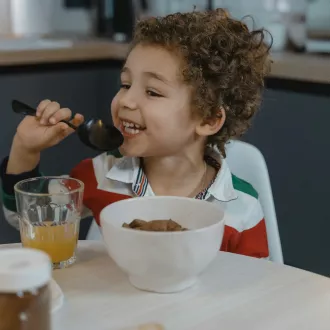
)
(21, 159)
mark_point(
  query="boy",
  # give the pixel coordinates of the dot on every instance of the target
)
(190, 83)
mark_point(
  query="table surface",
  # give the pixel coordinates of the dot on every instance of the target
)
(235, 293)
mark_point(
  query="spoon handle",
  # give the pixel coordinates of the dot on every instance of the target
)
(24, 109)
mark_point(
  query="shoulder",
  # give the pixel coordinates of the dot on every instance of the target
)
(244, 212)
(98, 165)
(247, 200)
(244, 187)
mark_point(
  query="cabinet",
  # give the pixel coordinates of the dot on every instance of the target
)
(291, 130)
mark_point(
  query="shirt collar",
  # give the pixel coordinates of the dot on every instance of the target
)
(124, 170)
(222, 187)
(128, 170)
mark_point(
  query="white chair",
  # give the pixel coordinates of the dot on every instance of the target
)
(94, 232)
(247, 162)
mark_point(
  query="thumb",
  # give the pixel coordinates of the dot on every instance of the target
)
(78, 119)
(66, 130)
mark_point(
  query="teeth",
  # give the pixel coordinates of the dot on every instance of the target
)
(127, 124)
(130, 130)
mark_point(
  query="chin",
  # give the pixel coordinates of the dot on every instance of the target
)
(130, 152)
(142, 150)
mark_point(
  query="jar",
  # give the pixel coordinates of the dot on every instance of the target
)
(24, 289)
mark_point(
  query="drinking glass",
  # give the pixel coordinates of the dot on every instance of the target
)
(49, 210)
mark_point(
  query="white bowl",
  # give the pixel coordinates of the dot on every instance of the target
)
(163, 262)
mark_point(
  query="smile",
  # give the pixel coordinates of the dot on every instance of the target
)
(131, 129)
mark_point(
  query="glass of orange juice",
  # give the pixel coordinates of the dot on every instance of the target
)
(49, 210)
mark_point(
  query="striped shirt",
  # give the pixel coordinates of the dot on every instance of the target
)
(109, 178)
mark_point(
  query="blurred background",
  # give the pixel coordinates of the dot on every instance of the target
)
(298, 22)
(71, 51)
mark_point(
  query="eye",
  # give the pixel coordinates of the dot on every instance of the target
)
(124, 86)
(153, 94)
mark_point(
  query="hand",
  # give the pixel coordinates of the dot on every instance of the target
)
(46, 129)
(35, 134)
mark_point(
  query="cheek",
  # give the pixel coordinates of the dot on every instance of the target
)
(171, 122)
(115, 109)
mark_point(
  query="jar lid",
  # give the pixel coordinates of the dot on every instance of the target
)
(23, 269)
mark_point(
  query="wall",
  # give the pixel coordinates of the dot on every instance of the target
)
(319, 15)
(80, 19)
(4, 17)
(73, 19)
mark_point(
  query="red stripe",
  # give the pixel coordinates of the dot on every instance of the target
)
(251, 242)
(95, 199)
(141, 184)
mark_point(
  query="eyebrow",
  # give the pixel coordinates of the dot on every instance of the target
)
(125, 69)
(158, 76)
(150, 74)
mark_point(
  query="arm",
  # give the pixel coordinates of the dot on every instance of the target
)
(9, 177)
(33, 135)
(21, 160)
(252, 240)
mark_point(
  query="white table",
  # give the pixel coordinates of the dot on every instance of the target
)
(235, 293)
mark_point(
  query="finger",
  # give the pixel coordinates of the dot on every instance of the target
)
(78, 119)
(42, 106)
(62, 130)
(62, 114)
(49, 111)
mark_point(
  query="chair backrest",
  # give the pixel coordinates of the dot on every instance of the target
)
(94, 232)
(247, 162)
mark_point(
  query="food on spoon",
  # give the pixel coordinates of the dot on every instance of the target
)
(154, 225)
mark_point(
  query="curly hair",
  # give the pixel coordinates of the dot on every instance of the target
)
(224, 62)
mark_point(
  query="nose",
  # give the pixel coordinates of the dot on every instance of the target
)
(128, 99)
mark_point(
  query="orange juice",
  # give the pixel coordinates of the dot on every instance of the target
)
(59, 241)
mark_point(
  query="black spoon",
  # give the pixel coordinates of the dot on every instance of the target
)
(93, 132)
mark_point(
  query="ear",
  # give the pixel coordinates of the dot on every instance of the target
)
(211, 126)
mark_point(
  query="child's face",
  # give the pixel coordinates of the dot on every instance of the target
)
(153, 97)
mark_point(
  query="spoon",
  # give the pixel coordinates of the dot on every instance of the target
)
(93, 132)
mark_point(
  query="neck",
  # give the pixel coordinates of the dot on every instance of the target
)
(176, 175)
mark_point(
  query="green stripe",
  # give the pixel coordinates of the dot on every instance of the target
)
(115, 153)
(9, 201)
(138, 181)
(244, 186)
(145, 186)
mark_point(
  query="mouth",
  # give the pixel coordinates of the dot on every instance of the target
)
(130, 129)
